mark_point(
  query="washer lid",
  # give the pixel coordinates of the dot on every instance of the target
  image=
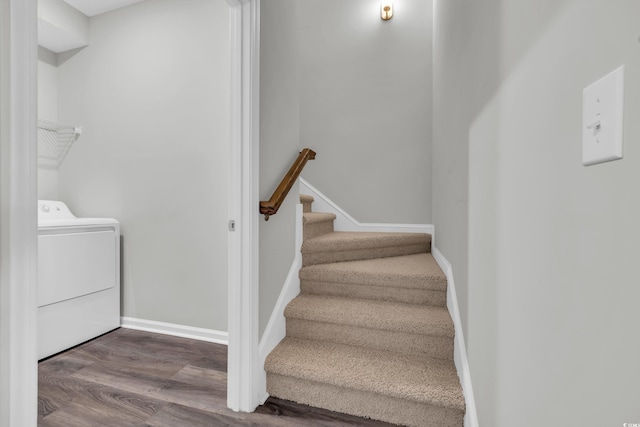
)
(54, 213)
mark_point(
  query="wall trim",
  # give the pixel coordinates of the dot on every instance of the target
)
(276, 327)
(243, 368)
(18, 215)
(460, 349)
(191, 332)
(345, 222)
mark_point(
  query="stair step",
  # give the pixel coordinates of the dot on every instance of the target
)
(316, 224)
(369, 383)
(413, 279)
(315, 217)
(404, 328)
(340, 246)
(306, 201)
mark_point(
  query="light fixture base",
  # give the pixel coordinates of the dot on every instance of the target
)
(386, 10)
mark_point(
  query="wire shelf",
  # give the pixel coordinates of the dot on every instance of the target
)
(54, 142)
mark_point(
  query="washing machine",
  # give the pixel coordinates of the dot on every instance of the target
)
(78, 277)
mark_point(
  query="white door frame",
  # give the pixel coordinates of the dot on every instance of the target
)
(243, 371)
(18, 216)
(18, 221)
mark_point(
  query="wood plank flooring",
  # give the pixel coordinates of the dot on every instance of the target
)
(140, 379)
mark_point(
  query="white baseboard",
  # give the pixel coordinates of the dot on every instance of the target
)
(276, 327)
(460, 349)
(345, 222)
(201, 334)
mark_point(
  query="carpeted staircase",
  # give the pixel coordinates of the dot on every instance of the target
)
(369, 334)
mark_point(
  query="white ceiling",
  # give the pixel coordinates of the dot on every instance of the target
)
(96, 7)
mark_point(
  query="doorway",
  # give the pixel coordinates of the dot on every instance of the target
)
(150, 93)
(18, 347)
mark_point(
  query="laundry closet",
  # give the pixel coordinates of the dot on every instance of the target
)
(133, 129)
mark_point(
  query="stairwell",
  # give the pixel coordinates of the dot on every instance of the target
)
(369, 334)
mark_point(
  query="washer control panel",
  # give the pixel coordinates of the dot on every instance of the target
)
(51, 209)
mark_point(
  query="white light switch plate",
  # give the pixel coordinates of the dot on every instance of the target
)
(602, 119)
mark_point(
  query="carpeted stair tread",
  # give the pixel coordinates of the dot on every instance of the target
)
(384, 293)
(372, 314)
(339, 246)
(305, 198)
(316, 224)
(306, 201)
(315, 217)
(353, 240)
(424, 380)
(417, 271)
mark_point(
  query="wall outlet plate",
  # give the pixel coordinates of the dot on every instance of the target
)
(602, 119)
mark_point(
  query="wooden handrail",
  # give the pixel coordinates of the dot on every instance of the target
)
(271, 206)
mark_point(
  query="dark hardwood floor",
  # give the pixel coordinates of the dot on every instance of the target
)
(132, 378)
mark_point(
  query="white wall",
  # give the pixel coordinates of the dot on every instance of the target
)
(47, 110)
(152, 94)
(546, 276)
(365, 102)
(47, 85)
(279, 144)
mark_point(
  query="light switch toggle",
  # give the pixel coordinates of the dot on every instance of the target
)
(595, 127)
